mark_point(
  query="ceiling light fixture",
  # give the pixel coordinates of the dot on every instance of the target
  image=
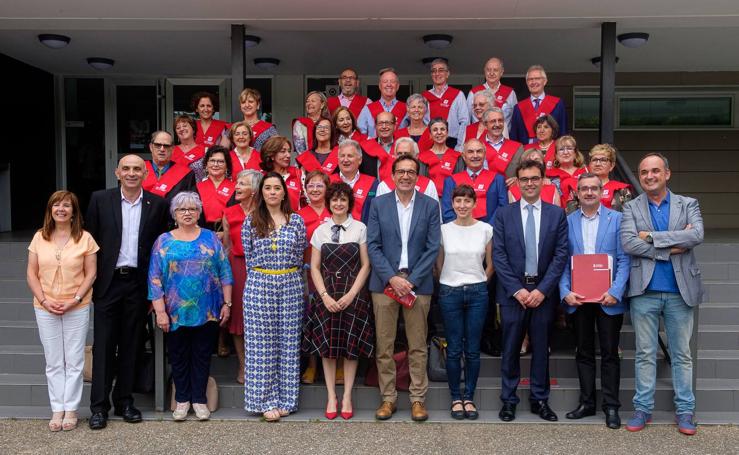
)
(266, 63)
(251, 41)
(438, 41)
(54, 41)
(635, 39)
(100, 63)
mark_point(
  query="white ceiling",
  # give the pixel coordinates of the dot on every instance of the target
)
(174, 38)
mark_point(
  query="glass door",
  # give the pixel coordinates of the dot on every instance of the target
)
(179, 94)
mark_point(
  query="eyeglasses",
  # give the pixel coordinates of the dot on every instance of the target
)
(408, 172)
(184, 210)
(566, 149)
(439, 70)
(589, 189)
(315, 186)
(600, 160)
(348, 78)
(534, 79)
(527, 180)
(217, 162)
(385, 123)
(242, 133)
(323, 128)
(158, 145)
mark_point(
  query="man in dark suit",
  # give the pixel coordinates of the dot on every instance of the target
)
(530, 254)
(125, 222)
(164, 177)
(403, 238)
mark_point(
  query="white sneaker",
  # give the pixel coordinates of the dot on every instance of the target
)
(180, 412)
(201, 411)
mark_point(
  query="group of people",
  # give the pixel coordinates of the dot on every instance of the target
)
(372, 207)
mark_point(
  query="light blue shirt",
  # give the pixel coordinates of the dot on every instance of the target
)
(366, 123)
(589, 231)
(459, 114)
(128, 256)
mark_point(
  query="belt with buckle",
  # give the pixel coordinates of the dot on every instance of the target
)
(528, 279)
(125, 270)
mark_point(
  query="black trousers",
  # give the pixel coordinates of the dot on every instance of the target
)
(189, 350)
(119, 324)
(586, 318)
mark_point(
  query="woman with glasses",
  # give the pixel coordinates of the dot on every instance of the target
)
(243, 155)
(217, 188)
(569, 163)
(602, 161)
(303, 127)
(323, 154)
(188, 152)
(209, 130)
(190, 288)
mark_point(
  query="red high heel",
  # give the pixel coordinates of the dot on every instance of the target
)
(346, 415)
(331, 415)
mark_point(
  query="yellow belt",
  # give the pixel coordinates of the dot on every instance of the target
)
(275, 271)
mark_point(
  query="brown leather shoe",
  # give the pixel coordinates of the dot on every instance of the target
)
(385, 411)
(418, 412)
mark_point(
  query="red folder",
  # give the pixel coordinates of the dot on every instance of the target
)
(591, 275)
(407, 300)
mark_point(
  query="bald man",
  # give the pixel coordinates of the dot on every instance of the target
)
(124, 221)
(504, 96)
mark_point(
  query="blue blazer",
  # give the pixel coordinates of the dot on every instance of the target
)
(384, 243)
(608, 241)
(496, 196)
(509, 251)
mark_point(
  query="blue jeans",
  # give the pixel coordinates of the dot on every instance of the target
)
(464, 309)
(678, 317)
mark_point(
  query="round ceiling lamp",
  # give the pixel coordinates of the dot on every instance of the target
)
(266, 63)
(101, 63)
(53, 41)
(635, 39)
(438, 41)
(251, 41)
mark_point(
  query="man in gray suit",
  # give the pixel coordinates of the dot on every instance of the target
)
(403, 238)
(659, 231)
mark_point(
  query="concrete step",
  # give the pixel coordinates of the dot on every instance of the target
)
(14, 288)
(12, 268)
(710, 337)
(14, 250)
(15, 333)
(727, 271)
(720, 291)
(717, 252)
(17, 309)
(720, 313)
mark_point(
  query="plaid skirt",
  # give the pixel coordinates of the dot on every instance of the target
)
(349, 333)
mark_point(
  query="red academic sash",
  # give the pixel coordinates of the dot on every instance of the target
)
(195, 153)
(471, 132)
(529, 115)
(358, 136)
(549, 156)
(209, 137)
(214, 199)
(480, 185)
(547, 192)
(170, 179)
(398, 110)
(294, 187)
(310, 163)
(421, 184)
(309, 125)
(499, 160)
(235, 216)
(563, 175)
(312, 219)
(424, 142)
(372, 148)
(439, 106)
(609, 189)
(253, 163)
(355, 106)
(501, 95)
(257, 129)
(439, 168)
(361, 190)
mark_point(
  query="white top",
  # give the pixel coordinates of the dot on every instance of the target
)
(404, 217)
(537, 220)
(430, 190)
(589, 230)
(128, 255)
(354, 231)
(464, 252)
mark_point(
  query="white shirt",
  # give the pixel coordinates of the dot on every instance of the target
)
(128, 256)
(349, 182)
(404, 218)
(346, 102)
(589, 231)
(354, 231)
(537, 219)
(464, 252)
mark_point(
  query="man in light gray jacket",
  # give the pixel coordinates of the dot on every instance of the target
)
(659, 231)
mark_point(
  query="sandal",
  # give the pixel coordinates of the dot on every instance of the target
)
(56, 422)
(473, 414)
(70, 421)
(457, 415)
(273, 415)
(283, 412)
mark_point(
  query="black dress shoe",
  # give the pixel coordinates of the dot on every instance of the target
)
(98, 420)
(129, 413)
(613, 421)
(543, 410)
(580, 412)
(508, 413)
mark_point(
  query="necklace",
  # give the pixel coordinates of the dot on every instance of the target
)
(274, 235)
(59, 249)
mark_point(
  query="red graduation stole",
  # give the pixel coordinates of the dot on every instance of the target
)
(439, 168)
(361, 190)
(501, 95)
(257, 129)
(471, 132)
(309, 125)
(563, 175)
(215, 199)
(424, 142)
(195, 153)
(609, 189)
(170, 179)
(421, 184)
(549, 156)
(358, 136)
(252, 163)
(355, 106)
(398, 110)
(530, 115)
(294, 187)
(235, 216)
(439, 105)
(211, 135)
(481, 185)
(547, 192)
(312, 219)
(310, 163)
(500, 159)
(372, 148)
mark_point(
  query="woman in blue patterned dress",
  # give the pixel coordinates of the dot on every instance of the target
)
(274, 240)
(190, 287)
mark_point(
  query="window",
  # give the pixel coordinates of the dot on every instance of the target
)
(659, 108)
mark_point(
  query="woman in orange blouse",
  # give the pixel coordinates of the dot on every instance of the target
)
(61, 269)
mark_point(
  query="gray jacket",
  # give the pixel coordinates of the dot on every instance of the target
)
(683, 211)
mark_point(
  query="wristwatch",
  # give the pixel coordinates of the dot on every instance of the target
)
(228, 304)
(78, 299)
(323, 293)
(649, 238)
